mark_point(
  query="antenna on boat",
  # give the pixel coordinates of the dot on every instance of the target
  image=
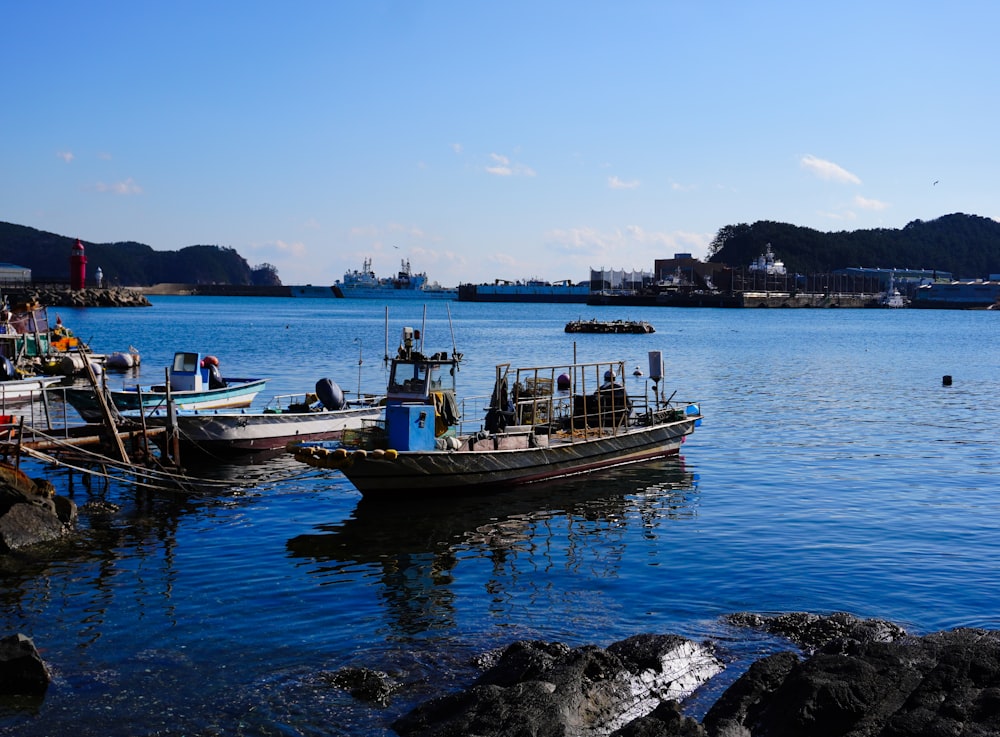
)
(455, 355)
(385, 359)
(423, 329)
(360, 361)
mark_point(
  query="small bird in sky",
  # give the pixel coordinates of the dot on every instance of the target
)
(936, 181)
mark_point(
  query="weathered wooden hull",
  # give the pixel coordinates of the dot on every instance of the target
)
(443, 472)
(249, 432)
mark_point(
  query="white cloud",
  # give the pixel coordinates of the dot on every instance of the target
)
(630, 247)
(867, 204)
(66, 156)
(291, 249)
(616, 183)
(828, 170)
(504, 168)
(123, 188)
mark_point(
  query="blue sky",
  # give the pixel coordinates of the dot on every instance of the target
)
(491, 140)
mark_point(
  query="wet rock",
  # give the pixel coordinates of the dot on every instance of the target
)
(541, 689)
(947, 683)
(30, 512)
(28, 524)
(811, 631)
(742, 702)
(22, 670)
(665, 721)
(364, 684)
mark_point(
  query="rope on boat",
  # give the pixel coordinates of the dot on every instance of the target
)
(148, 477)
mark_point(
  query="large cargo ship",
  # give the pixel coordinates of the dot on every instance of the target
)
(526, 291)
(364, 284)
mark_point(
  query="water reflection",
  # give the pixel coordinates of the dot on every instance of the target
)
(123, 551)
(415, 547)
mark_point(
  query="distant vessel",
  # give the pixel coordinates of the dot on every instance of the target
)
(891, 296)
(532, 290)
(364, 284)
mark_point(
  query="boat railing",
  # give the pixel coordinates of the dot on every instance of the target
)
(575, 400)
(472, 413)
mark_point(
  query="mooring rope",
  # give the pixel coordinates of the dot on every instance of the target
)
(147, 476)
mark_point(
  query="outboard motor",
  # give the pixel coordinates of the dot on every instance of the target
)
(215, 380)
(6, 369)
(330, 394)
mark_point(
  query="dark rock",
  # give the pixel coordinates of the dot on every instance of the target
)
(364, 684)
(812, 631)
(28, 524)
(22, 671)
(541, 689)
(665, 721)
(946, 683)
(742, 702)
(66, 510)
(30, 512)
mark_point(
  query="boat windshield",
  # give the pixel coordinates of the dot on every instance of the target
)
(419, 378)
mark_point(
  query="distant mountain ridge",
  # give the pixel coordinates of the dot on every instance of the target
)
(967, 246)
(129, 263)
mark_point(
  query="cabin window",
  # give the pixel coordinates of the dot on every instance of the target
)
(186, 362)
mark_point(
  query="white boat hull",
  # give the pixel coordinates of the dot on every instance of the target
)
(249, 432)
(19, 391)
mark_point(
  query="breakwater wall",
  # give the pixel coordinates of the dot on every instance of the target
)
(66, 297)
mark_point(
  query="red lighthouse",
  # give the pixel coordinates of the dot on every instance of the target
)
(77, 267)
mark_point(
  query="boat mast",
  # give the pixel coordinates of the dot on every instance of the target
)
(385, 359)
(423, 329)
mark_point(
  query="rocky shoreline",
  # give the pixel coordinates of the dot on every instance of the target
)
(841, 677)
(65, 297)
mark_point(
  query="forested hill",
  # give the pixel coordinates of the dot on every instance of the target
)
(129, 263)
(968, 246)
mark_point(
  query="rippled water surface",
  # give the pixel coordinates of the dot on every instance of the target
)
(834, 471)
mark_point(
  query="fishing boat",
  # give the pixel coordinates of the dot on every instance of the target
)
(364, 284)
(18, 391)
(322, 415)
(542, 422)
(194, 382)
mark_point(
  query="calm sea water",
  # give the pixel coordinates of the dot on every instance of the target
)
(833, 472)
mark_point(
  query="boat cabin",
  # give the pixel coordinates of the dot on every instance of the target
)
(420, 396)
(416, 379)
(190, 372)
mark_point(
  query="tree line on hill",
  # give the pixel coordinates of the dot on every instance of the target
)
(128, 263)
(967, 246)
